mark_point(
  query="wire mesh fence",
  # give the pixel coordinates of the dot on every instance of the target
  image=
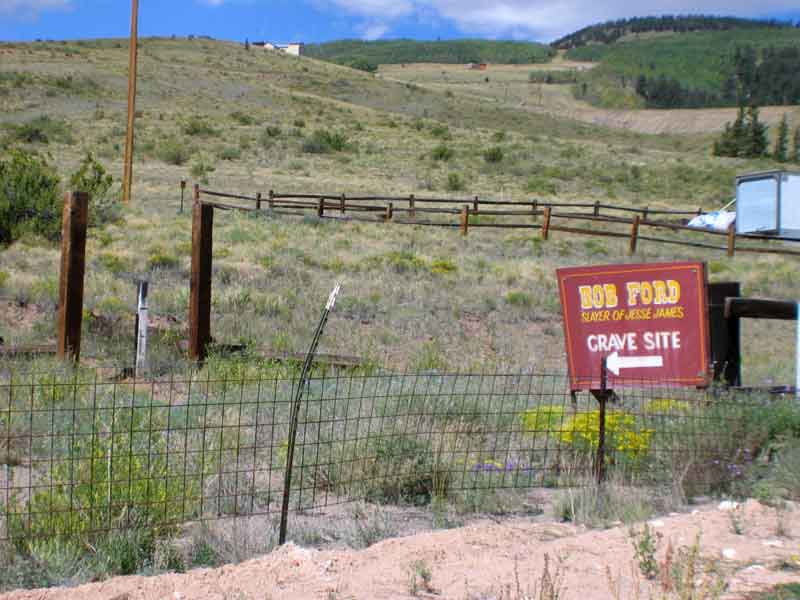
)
(89, 454)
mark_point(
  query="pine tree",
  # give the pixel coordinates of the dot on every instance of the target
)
(756, 140)
(796, 149)
(781, 151)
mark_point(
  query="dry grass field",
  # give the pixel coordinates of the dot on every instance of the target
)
(413, 298)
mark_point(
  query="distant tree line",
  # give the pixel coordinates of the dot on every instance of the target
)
(766, 78)
(610, 31)
(360, 53)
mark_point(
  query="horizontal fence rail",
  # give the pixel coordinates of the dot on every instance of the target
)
(84, 455)
(464, 214)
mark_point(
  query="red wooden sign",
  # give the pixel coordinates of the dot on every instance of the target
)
(649, 321)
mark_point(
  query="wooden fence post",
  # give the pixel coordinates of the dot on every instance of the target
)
(546, 224)
(731, 239)
(183, 189)
(596, 208)
(341, 204)
(389, 212)
(645, 213)
(258, 201)
(321, 208)
(535, 209)
(270, 199)
(200, 283)
(475, 206)
(634, 234)
(465, 220)
(412, 211)
(74, 220)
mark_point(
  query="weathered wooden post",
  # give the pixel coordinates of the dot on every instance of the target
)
(731, 239)
(596, 208)
(389, 212)
(546, 223)
(321, 208)
(271, 200)
(475, 206)
(634, 234)
(412, 210)
(258, 200)
(183, 190)
(200, 283)
(74, 220)
(465, 220)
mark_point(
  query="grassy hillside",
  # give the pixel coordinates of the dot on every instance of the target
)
(252, 121)
(698, 61)
(347, 52)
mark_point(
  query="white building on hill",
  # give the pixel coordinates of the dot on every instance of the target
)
(293, 48)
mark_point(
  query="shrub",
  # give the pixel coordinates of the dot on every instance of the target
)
(197, 126)
(442, 152)
(200, 169)
(499, 136)
(299, 123)
(454, 182)
(443, 266)
(160, 259)
(519, 299)
(42, 130)
(541, 185)
(440, 131)
(230, 153)
(172, 152)
(242, 118)
(29, 197)
(4, 277)
(139, 479)
(362, 64)
(323, 141)
(93, 178)
(493, 155)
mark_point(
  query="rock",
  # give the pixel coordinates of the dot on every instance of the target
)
(729, 553)
(728, 505)
(656, 523)
(773, 544)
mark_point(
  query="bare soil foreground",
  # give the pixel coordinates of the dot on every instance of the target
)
(490, 560)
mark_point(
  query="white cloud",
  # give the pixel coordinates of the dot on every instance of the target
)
(374, 31)
(27, 9)
(546, 19)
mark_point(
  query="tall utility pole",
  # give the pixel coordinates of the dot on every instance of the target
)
(128, 177)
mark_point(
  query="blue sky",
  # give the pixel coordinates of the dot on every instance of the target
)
(321, 20)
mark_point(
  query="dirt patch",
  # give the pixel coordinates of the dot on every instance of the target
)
(482, 560)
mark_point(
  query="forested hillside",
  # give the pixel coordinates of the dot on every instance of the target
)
(692, 70)
(361, 53)
(611, 31)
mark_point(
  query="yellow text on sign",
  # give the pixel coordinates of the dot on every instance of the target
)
(639, 293)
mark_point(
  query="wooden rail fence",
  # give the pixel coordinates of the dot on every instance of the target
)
(467, 214)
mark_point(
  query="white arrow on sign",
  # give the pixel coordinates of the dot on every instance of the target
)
(615, 362)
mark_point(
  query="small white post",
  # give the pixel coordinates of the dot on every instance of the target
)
(141, 329)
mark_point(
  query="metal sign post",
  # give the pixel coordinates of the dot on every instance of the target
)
(141, 329)
(295, 412)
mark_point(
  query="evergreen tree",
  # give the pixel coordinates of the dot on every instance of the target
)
(756, 139)
(796, 149)
(781, 151)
